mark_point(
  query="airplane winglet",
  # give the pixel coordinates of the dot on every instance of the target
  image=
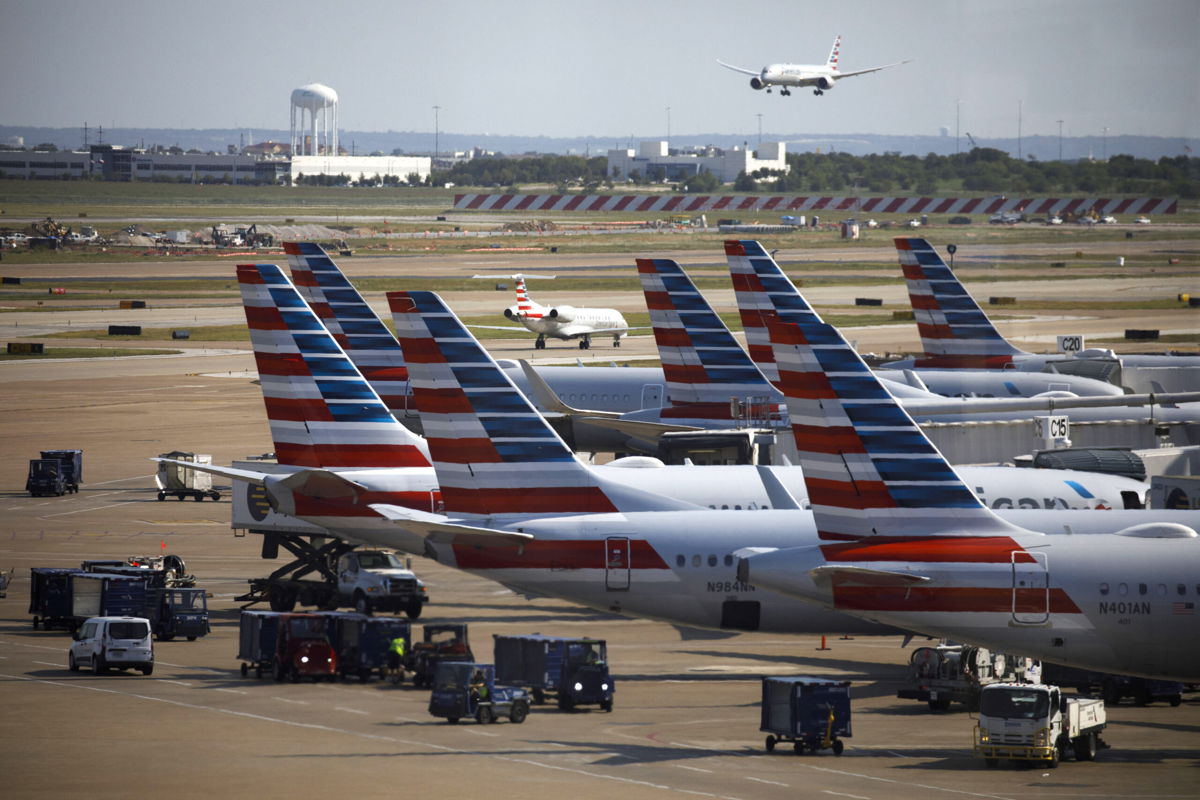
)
(436, 528)
(549, 399)
(256, 478)
(845, 574)
(777, 493)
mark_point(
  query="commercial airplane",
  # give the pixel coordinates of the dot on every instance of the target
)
(904, 541)
(560, 322)
(956, 333)
(763, 290)
(321, 409)
(376, 353)
(820, 76)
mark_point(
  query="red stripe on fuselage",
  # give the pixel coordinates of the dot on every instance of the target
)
(951, 599)
(931, 549)
(555, 555)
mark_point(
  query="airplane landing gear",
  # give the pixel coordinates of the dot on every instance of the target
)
(616, 341)
(818, 92)
(785, 92)
(540, 344)
(585, 343)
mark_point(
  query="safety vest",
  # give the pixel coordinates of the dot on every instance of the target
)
(397, 647)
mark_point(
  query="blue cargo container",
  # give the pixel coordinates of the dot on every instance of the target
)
(362, 643)
(574, 671)
(811, 713)
(257, 635)
(50, 597)
(98, 594)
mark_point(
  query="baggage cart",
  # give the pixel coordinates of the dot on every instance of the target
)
(362, 643)
(179, 482)
(573, 671)
(811, 713)
(50, 597)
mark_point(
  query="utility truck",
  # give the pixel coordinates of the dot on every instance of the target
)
(956, 673)
(365, 580)
(1035, 722)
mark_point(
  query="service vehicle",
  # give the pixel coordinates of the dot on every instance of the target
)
(811, 713)
(444, 642)
(178, 612)
(464, 689)
(1115, 688)
(362, 643)
(161, 572)
(949, 674)
(365, 580)
(55, 473)
(105, 643)
(50, 591)
(180, 482)
(290, 646)
(573, 671)
(1036, 722)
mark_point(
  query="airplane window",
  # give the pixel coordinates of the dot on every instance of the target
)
(725, 507)
(1122, 589)
(1142, 588)
(712, 507)
(728, 560)
(681, 560)
(1181, 590)
(696, 560)
(626, 398)
(1162, 590)
(1104, 588)
(738, 507)
(712, 561)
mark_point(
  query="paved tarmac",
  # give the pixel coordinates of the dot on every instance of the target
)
(686, 716)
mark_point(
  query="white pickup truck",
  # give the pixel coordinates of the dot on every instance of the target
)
(366, 580)
(1034, 722)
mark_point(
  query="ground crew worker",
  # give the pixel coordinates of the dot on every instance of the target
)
(396, 654)
(479, 689)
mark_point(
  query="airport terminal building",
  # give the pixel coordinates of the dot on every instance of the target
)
(132, 164)
(655, 161)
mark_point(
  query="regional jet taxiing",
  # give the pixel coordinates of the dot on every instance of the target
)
(561, 322)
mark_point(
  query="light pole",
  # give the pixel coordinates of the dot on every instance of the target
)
(1104, 152)
(1060, 122)
(435, 132)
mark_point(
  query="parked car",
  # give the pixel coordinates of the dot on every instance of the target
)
(1142, 220)
(105, 643)
(960, 220)
(1109, 220)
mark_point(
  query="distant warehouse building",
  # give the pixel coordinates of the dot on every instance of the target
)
(656, 162)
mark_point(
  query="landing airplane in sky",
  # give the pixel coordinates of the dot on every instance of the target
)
(956, 333)
(904, 541)
(820, 76)
(560, 322)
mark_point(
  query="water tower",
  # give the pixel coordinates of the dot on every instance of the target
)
(321, 104)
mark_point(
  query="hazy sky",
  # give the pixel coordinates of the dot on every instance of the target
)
(608, 68)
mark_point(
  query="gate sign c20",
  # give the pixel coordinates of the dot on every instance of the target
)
(1070, 344)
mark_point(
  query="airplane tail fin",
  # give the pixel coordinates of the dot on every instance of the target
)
(763, 293)
(493, 452)
(524, 304)
(702, 362)
(321, 411)
(357, 329)
(868, 467)
(832, 61)
(955, 331)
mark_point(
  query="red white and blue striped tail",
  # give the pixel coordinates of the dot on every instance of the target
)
(702, 362)
(869, 469)
(493, 452)
(763, 293)
(357, 328)
(322, 412)
(524, 304)
(955, 331)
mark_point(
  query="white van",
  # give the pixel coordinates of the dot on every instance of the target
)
(113, 642)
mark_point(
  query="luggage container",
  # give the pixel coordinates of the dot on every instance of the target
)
(50, 597)
(179, 482)
(811, 713)
(257, 632)
(362, 643)
(72, 466)
(97, 594)
(573, 671)
(292, 646)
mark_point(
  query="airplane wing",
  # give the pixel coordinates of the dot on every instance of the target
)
(435, 528)
(246, 475)
(841, 75)
(550, 400)
(988, 405)
(743, 70)
(521, 328)
(637, 428)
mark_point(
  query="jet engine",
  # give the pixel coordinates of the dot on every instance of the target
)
(757, 83)
(510, 312)
(562, 313)
(825, 83)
